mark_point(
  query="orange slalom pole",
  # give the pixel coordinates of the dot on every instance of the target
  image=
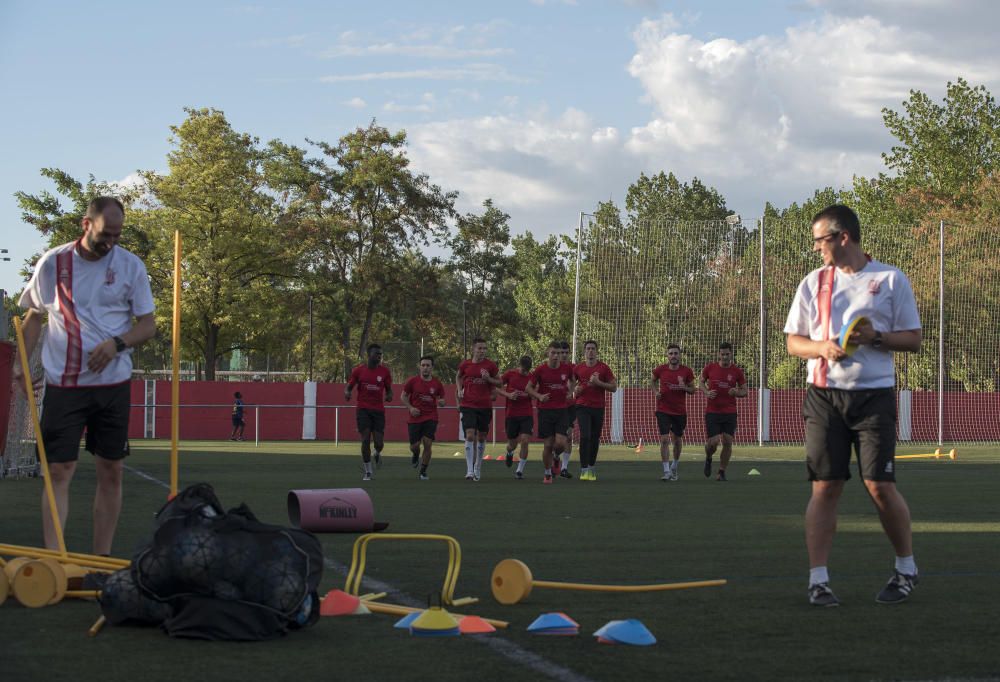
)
(175, 388)
(29, 390)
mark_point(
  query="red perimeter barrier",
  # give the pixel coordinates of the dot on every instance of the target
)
(285, 423)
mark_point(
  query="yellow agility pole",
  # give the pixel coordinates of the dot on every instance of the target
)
(89, 560)
(512, 581)
(175, 388)
(937, 454)
(96, 627)
(29, 390)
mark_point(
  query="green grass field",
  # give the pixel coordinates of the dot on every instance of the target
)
(629, 527)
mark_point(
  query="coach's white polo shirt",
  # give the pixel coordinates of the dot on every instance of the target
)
(879, 292)
(87, 302)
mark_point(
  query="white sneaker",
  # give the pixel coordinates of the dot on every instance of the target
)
(367, 476)
(665, 476)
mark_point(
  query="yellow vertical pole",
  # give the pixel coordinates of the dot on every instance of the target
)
(29, 390)
(175, 386)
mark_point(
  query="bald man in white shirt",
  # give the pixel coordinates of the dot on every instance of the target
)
(90, 290)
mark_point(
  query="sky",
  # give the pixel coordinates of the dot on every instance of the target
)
(545, 106)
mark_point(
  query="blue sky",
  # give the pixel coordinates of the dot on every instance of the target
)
(547, 107)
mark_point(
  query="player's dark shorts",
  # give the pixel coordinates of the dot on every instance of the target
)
(515, 426)
(720, 422)
(103, 410)
(671, 423)
(238, 420)
(477, 418)
(837, 420)
(427, 429)
(370, 420)
(552, 421)
(570, 416)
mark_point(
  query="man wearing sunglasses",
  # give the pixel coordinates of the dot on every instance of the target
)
(851, 401)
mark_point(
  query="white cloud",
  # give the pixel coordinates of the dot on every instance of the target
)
(356, 103)
(470, 72)
(416, 51)
(770, 118)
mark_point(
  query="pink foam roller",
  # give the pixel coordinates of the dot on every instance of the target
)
(333, 510)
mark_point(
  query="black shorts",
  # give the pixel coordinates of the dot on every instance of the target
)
(103, 410)
(552, 421)
(570, 416)
(837, 420)
(238, 421)
(477, 418)
(515, 426)
(720, 422)
(671, 423)
(420, 430)
(370, 420)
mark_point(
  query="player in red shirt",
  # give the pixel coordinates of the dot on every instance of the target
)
(475, 382)
(550, 386)
(721, 382)
(561, 465)
(374, 382)
(593, 381)
(520, 414)
(422, 396)
(672, 383)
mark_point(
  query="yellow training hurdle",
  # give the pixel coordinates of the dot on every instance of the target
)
(359, 558)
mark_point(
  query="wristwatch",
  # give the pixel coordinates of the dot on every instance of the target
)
(877, 341)
(119, 344)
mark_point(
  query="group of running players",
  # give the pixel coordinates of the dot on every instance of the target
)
(563, 393)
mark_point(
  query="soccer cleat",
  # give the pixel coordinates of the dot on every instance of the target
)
(565, 473)
(721, 476)
(708, 465)
(820, 594)
(475, 477)
(897, 589)
(414, 459)
(665, 477)
(468, 477)
(547, 480)
(673, 474)
(378, 459)
(240, 438)
(509, 459)
(232, 439)
(518, 475)
(424, 477)
(367, 476)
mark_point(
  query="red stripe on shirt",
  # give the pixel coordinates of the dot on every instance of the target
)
(74, 342)
(824, 302)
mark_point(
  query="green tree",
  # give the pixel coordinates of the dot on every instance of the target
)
(480, 262)
(235, 254)
(356, 211)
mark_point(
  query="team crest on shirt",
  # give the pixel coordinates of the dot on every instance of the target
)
(432, 390)
(109, 278)
(64, 274)
(563, 377)
(378, 379)
(874, 286)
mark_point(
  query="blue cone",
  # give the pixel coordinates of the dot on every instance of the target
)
(554, 623)
(630, 631)
(406, 621)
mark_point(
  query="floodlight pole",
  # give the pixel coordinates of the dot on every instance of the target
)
(310, 338)
(941, 333)
(576, 292)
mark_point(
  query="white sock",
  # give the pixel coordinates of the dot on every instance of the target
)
(569, 449)
(906, 565)
(520, 466)
(564, 458)
(368, 467)
(673, 466)
(818, 575)
(666, 467)
(480, 451)
(470, 456)
(548, 472)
